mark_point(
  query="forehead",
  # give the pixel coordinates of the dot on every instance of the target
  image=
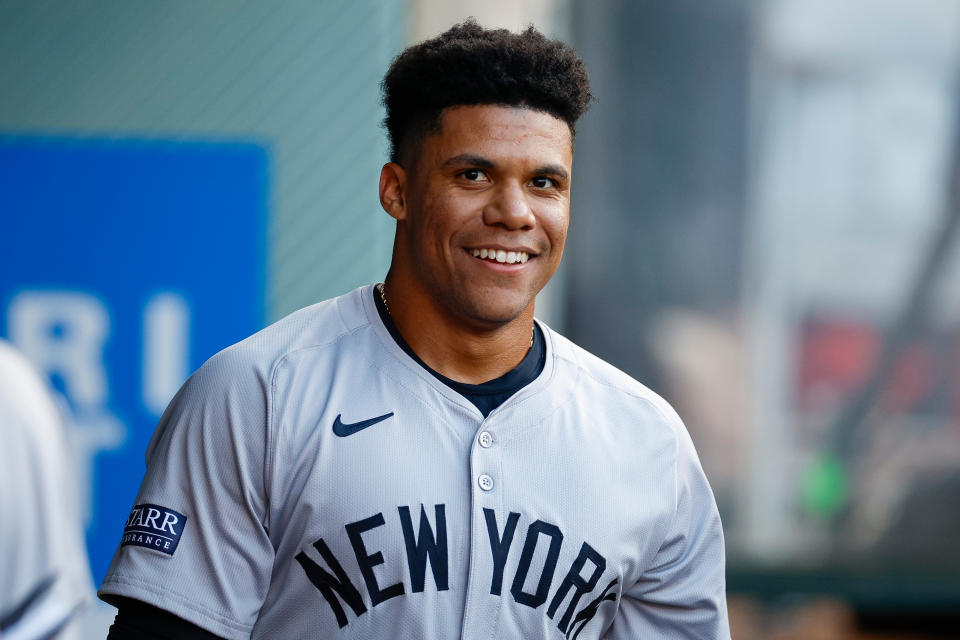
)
(500, 133)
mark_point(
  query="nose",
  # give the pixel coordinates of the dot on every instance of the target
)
(510, 208)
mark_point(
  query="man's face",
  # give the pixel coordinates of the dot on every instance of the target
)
(487, 207)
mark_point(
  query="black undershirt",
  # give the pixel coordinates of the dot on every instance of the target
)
(489, 395)
(138, 620)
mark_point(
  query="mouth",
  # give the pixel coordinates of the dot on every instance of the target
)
(502, 256)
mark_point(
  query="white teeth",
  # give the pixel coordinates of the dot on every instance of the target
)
(502, 256)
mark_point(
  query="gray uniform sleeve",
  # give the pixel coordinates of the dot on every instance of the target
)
(196, 543)
(44, 576)
(683, 594)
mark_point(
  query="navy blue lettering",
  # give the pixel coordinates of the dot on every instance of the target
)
(538, 528)
(576, 581)
(499, 546)
(588, 612)
(368, 561)
(427, 545)
(328, 584)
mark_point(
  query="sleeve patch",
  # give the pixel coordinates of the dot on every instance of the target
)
(154, 527)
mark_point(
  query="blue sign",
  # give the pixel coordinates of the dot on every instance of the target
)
(124, 264)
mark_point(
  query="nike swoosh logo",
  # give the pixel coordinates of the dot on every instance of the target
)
(343, 429)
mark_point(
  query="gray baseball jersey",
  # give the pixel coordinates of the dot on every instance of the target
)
(314, 481)
(44, 576)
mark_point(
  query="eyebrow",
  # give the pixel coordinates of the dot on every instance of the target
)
(552, 170)
(479, 161)
(468, 159)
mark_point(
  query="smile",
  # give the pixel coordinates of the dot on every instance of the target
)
(500, 255)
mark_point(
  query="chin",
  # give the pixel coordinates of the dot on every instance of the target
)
(490, 321)
(490, 312)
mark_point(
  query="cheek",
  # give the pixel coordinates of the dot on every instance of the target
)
(446, 216)
(556, 227)
(433, 229)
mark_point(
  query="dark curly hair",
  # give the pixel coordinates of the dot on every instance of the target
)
(470, 65)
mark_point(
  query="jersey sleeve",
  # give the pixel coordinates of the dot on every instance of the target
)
(196, 542)
(683, 594)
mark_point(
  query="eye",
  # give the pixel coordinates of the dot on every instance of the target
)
(473, 175)
(543, 182)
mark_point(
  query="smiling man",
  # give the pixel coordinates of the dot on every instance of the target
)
(422, 458)
(482, 212)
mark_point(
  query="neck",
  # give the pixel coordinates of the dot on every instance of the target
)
(466, 353)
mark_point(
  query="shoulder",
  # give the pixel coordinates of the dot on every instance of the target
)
(233, 390)
(642, 423)
(25, 399)
(642, 427)
(600, 380)
(314, 327)
(33, 426)
(18, 378)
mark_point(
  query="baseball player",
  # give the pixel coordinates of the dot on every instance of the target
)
(422, 458)
(44, 576)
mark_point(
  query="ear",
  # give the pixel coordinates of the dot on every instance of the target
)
(393, 189)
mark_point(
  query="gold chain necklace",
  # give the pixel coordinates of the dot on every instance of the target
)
(382, 289)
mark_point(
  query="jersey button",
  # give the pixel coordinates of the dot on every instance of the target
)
(485, 482)
(485, 439)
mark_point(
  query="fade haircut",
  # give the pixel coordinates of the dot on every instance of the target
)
(470, 65)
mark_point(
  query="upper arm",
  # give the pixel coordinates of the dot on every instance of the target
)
(682, 593)
(206, 555)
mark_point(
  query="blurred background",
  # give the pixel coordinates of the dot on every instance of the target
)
(764, 231)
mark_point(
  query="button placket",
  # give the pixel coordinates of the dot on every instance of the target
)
(486, 471)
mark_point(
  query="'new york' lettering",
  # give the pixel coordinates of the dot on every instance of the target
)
(425, 544)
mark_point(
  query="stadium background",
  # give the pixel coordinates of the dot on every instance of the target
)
(763, 231)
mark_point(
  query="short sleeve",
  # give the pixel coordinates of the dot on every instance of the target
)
(196, 542)
(683, 594)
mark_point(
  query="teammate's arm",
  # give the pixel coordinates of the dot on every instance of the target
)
(44, 577)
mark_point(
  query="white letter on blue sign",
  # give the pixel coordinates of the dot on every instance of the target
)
(63, 332)
(166, 342)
